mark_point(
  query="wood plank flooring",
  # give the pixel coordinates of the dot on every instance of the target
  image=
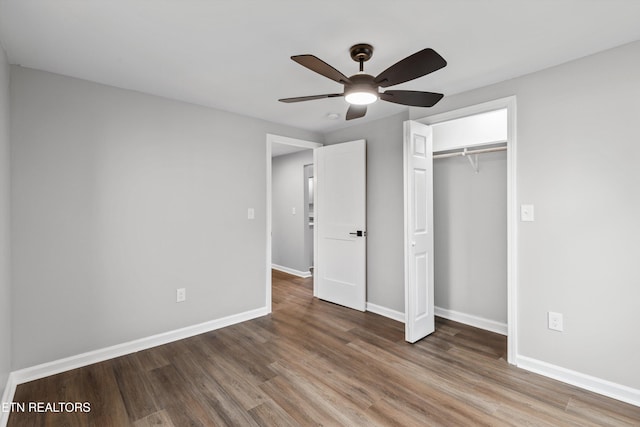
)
(315, 363)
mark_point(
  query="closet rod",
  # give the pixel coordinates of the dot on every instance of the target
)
(466, 152)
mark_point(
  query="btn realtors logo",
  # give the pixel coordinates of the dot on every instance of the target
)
(46, 407)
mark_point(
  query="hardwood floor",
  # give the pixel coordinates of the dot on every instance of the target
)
(315, 363)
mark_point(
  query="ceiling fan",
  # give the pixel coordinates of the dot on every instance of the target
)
(361, 89)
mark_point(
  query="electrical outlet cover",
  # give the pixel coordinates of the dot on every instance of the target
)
(555, 321)
(527, 213)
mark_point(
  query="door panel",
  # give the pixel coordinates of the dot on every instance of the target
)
(422, 297)
(340, 275)
(418, 172)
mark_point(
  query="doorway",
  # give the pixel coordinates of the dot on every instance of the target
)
(339, 219)
(298, 212)
(508, 105)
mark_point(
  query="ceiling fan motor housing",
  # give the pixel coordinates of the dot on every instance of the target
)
(361, 84)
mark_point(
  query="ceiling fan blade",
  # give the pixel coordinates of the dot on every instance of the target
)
(319, 66)
(417, 65)
(356, 111)
(310, 98)
(412, 97)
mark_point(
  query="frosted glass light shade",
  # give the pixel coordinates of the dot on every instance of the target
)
(360, 98)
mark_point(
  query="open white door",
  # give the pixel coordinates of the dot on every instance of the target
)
(418, 225)
(340, 224)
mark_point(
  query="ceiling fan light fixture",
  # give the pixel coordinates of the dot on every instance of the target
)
(361, 97)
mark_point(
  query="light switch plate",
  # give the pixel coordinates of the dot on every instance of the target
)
(526, 213)
(251, 213)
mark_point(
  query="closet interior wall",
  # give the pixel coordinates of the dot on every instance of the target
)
(470, 219)
(470, 237)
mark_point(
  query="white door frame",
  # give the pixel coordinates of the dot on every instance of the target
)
(512, 205)
(277, 139)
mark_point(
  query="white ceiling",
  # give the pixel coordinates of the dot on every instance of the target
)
(234, 54)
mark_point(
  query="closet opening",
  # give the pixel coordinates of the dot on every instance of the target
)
(474, 217)
(470, 236)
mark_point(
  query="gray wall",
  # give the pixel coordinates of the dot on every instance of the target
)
(470, 236)
(385, 207)
(288, 190)
(119, 198)
(5, 291)
(577, 162)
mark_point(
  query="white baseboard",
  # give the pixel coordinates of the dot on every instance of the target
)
(475, 321)
(578, 379)
(384, 311)
(303, 274)
(84, 359)
(7, 396)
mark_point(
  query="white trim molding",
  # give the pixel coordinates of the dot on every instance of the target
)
(57, 366)
(471, 320)
(7, 397)
(292, 271)
(384, 311)
(578, 379)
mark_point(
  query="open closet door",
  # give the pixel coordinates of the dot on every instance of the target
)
(418, 225)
